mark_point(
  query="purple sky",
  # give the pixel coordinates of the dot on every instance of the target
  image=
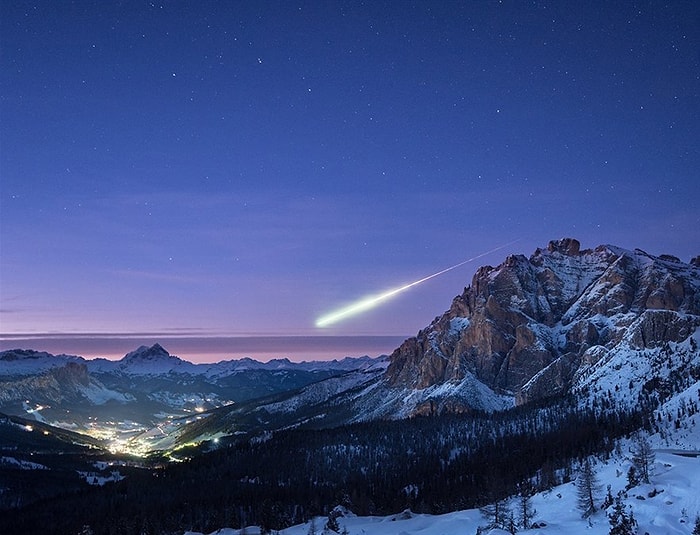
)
(223, 169)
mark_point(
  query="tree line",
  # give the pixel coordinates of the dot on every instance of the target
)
(428, 464)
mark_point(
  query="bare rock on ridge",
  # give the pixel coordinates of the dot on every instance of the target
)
(523, 328)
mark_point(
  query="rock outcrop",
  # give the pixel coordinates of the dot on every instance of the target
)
(57, 385)
(527, 327)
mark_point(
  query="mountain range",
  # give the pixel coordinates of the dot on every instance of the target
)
(593, 324)
(565, 321)
(145, 388)
(541, 362)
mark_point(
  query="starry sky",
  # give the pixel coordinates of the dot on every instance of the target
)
(219, 173)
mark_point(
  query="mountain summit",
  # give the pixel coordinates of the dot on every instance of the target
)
(154, 359)
(527, 328)
(156, 351)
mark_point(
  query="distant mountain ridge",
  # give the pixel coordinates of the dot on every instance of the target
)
(156, 359)
(146, 385)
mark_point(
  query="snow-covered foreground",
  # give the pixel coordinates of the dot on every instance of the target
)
(672, 509)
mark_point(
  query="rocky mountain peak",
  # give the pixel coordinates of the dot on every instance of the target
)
(75, 373)
(21, 354)
(526, 316)
(152, 360)
(156, 351)
(565, 246)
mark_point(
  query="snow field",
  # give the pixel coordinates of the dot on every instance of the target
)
(672, 510)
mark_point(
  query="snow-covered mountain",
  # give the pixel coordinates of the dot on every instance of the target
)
(155, 360)
(145, 386)
(563, 320)
(70, 383)
(24, 362)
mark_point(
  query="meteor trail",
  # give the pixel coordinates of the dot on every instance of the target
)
(372, 301)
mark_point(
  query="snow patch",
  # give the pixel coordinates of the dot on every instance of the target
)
(21, 464)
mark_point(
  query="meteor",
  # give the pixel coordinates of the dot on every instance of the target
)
(370, 302)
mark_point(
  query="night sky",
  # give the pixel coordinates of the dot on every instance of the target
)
(204, 170)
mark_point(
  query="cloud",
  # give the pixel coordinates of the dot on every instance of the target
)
(190, 345)
(153, 275)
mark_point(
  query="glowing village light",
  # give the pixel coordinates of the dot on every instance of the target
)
(370, 302)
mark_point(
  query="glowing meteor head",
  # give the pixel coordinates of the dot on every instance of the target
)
(352, 310)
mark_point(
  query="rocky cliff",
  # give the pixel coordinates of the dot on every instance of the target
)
(67, 383)
(526, 328)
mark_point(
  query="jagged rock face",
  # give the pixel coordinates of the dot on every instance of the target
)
(54, 386)
(551, 380)
(655, 328)
(525, 327)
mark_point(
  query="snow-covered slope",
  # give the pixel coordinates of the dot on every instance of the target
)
(668, 505)
(629, 372)
(23, 362)
(320, 404)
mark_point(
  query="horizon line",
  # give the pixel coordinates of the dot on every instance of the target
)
(210, 348)
(179, 335)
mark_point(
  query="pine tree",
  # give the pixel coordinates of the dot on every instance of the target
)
(620, 522)
(511, 525)
(643, 458)
(525, 509)
(632, 477)
(587, 484)
(332, 523)
(609, 500)
(696, 530)
(497, 514)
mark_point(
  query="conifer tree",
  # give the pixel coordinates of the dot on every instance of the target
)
(609, 500)
(632, 477)
(525, 510)
(332, 523)
(620, 522)
(497, 514)
(643, 458)
(587, 484)
(511, 525)
(696, 530)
